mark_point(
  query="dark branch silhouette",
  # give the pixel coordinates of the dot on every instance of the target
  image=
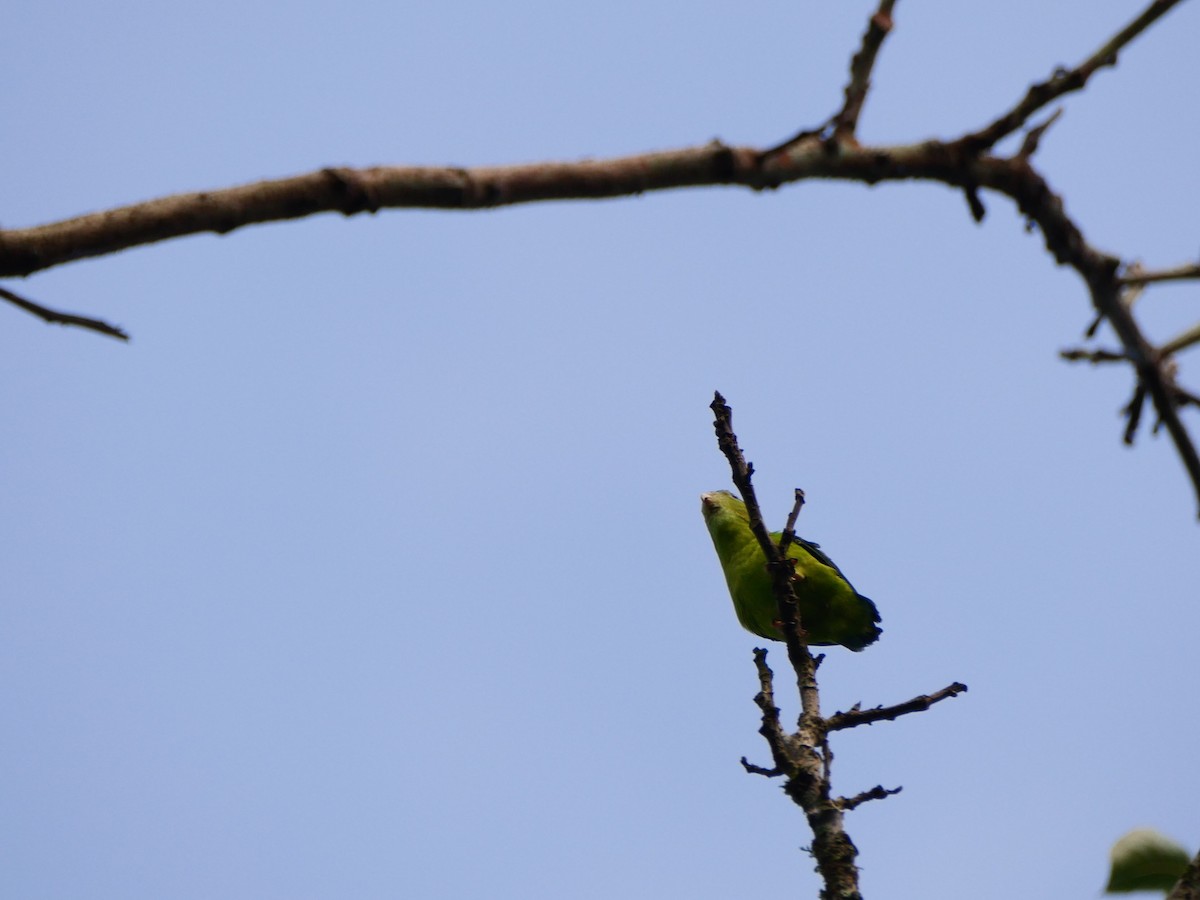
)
(61, 318)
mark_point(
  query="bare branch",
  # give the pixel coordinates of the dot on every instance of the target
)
(1181, 341)
(352, 191)
(845, 123)
(789, 530)
(1179, 273)
(855, 717)
(1066, 243)
(1187, 398)
(752, 769)
(1154, 371)
(1034, 136)
(54, 317)
(879, 792)
(1080, 354)
(771, 728)
(1133, 413)
(1064, 81)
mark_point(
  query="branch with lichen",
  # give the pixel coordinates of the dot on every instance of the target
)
(803, 758)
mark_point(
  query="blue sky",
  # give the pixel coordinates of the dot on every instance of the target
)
(373, 566)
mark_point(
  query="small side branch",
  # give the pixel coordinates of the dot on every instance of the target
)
(789, 530)
(855, 717)
(879, 792)
(1181, 341)
(771, 728)
(1188, 272)
(1155, 373)
(1082, 354)
(1034, 136)
(845, 123)
(1064, 81)
(54, 317)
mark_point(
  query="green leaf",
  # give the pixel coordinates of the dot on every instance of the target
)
(1145, 860)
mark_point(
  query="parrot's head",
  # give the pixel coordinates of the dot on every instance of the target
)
(715, 503)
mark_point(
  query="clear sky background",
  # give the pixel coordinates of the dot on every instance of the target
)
(374, 567)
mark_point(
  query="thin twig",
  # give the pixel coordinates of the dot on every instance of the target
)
(752, 769)
(1063, 81)
(845, 123)
(1179, 273)
(1133, 413)
(54, 317)
(789, 530)
(1186, 398)
(771, 728)
(879, 792)
(1154, 374)
(1130, 294)
(855, 717)
(1034, 136)
(1081, 354)
(1181, 341)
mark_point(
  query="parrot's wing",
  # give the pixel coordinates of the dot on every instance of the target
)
(822, 557)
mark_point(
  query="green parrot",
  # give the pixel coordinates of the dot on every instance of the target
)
(831, 611)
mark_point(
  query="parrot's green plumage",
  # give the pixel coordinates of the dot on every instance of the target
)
(831, 611)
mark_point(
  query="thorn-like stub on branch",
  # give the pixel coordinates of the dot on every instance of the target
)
(752, 769)
(724, 166)
(978, 210)
(1133, 414)
(355, 195)
(1034, 136)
